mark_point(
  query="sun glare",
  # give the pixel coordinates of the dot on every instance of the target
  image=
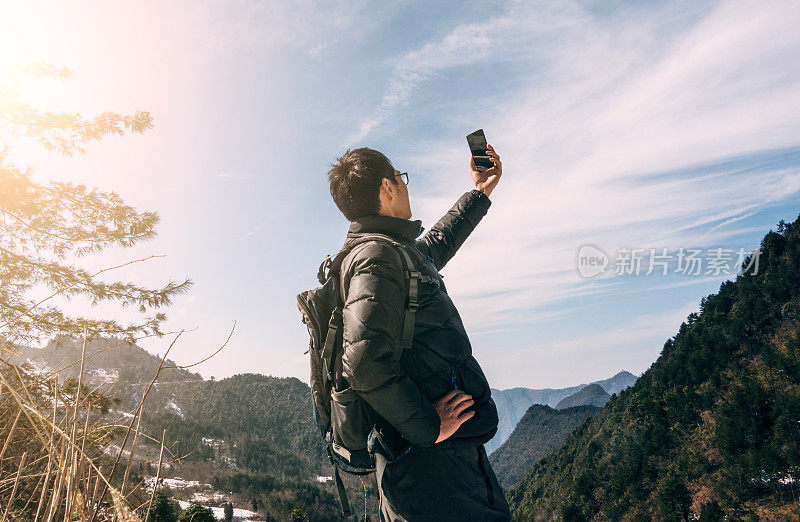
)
(25, 40)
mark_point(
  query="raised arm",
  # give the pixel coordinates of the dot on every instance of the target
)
(372, 319)
(442, 241)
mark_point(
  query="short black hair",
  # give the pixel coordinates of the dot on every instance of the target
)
(355, 181)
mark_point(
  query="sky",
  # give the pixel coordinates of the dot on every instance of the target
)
(622, 126)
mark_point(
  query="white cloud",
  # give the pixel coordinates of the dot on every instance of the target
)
(464, 45)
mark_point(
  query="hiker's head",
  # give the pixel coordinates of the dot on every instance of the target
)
(363, 182)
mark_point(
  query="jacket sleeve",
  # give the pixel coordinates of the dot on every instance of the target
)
(372, 323)
(442, 241)
(483, 424)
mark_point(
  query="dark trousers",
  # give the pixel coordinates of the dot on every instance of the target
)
(450, 481)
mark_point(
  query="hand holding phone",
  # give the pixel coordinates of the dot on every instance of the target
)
(485, 166)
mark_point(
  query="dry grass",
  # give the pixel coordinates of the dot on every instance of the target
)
(53, 442)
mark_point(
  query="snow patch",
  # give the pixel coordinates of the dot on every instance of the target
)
(219, 512)
(175, 483)
(172, 405)
(105, 376)
(207, 497)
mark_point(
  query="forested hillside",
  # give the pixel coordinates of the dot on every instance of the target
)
(541, 430)
(249, 410)
(266, 420)
(711, 427)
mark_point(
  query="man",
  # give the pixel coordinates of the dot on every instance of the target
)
(437, 396)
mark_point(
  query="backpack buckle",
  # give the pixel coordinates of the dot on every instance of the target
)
(413, 290)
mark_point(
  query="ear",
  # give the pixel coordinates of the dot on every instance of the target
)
(386, 189)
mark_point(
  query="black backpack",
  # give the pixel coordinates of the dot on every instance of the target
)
(350, 428)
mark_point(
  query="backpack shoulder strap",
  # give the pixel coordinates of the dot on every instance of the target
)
(412, 304)
(412, 278)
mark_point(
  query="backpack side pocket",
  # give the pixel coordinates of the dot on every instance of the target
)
(352, 420)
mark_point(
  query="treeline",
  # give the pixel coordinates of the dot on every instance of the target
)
(276, 499)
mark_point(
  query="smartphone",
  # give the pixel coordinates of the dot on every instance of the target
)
(477, 146)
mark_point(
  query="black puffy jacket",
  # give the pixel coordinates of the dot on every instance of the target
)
(441, 356)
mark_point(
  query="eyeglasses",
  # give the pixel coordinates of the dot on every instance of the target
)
(403, 176)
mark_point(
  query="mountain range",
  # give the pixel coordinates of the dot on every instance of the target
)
(513, 403)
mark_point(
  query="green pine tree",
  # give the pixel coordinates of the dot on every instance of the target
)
(45, 227)
(162, 509)
(197, 513)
